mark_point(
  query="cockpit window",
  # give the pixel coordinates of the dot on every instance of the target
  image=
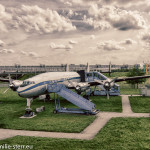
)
(101, 78)
(89, 74)
(95, 74)
(25, 83)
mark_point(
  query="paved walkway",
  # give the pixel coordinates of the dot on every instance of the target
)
(87, 134)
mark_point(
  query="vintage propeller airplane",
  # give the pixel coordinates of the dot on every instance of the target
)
(61, 83)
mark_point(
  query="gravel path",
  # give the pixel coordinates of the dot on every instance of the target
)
(88, 133)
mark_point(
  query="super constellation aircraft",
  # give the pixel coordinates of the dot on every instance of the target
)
(60, 83)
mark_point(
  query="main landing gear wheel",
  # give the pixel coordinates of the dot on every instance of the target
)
(87, 113)
(55, 111)
(28, 113)
(47, 97)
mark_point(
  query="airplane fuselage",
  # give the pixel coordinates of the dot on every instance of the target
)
(37, 85)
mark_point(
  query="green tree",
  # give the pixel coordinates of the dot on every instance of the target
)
(135, 72)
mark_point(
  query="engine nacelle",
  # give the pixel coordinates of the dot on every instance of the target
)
(15, 84)
(82, 87)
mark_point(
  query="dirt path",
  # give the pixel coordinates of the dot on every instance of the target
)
(88, 133)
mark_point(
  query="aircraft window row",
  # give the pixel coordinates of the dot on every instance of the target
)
(95, 75)
(99, 76)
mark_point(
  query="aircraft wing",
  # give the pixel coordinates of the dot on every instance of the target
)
(96, 82)
(131, 78)
(100, 82)
(4, 80)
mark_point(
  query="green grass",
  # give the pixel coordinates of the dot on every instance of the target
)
(118, 134)
(140, 104)
(129, 91)
(13, 107)
(26, 76)
(116, 74)
(113, 104)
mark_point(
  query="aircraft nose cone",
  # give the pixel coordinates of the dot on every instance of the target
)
(12, 86)
(106, 84)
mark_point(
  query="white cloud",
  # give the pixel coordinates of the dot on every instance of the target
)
(72, 42)
(24, 53)
(70, 13)
(92, 37)
(145, 36)
(33, 54)
(10, 51)
(6, 51)
(68, 3)
(1, 43)
(140, 5)
(118, 18)
(34, 18)
(128, 42)
(67, 47)
(128, 4)
(121, 1)
(74, 2)
(109, 45)
(5, 18)
(145, 39)
(94, 10)
(98, 24)
(60, 46)
(42, 20)
(30, 54)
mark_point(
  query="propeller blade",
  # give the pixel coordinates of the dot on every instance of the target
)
(113, 80)
(107, 92)
(6, 90)
(10, 79)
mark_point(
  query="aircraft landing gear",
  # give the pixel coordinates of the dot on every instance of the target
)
(55, 111)
(28, 110)
(47, 97)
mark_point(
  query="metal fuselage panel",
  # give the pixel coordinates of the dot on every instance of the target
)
(43, 80)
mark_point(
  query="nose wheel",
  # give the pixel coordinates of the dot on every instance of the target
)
(28, 112)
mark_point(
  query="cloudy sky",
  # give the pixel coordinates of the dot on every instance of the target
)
(34, 32)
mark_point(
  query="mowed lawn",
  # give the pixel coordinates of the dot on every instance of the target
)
(13, 107)
(129, 91)
(118, 134)
(140, 104)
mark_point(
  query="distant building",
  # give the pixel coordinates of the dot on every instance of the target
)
(62, 68)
